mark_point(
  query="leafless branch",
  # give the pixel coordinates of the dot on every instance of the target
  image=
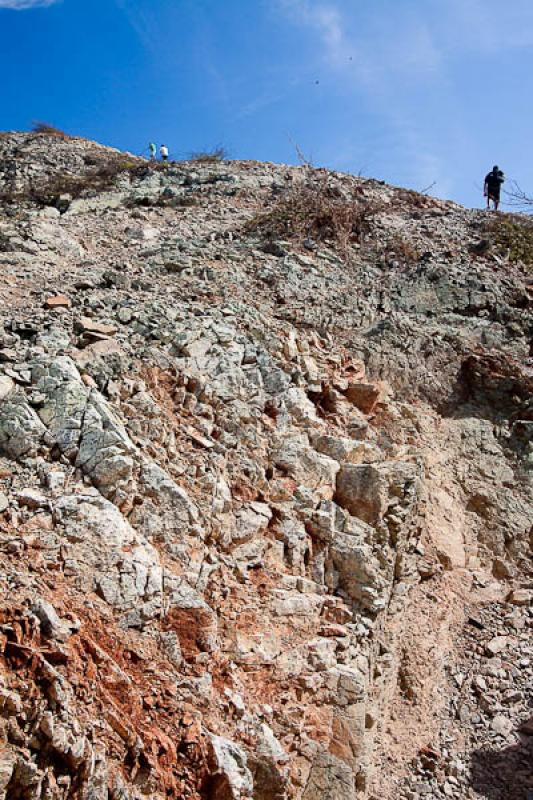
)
(305, 161)
(428, 188)
(518, 198)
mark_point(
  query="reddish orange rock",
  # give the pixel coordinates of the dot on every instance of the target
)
(58, 301)
(95, 329)
(364, 396)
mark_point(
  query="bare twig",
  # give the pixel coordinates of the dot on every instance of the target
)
(305, 161)
(518, 198)
(316, 210)
(218, 153)
(428, 188)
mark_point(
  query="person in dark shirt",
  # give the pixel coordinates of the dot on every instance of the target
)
(492, 187)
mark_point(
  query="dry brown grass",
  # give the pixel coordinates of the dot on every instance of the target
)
(318, 211)
(49, 130)
(403, 249)
(218, 153)
(100, 178)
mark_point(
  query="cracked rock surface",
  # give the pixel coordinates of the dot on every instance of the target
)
(265, 503)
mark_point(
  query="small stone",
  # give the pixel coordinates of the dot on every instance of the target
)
(427, 569)
(512, 697)
(19, 375)
(520, 597)
(496, 645)
(51, 624)
(125, 315)
(36, 398)
(32, 499)
(364, 396)
(423, 789)
(501, 569)
(4, 502)
(6, 386)
(85, 283)
(89, 381)
(58, 301)
(55, 481)
(501, 725)
(332, 630)
(274, 249)
(91, 327)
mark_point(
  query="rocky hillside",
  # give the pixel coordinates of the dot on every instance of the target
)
(265, 473)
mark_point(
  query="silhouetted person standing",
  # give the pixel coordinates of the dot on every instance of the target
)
(163, 152)
(492, 187)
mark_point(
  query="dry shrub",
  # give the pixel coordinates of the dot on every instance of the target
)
(49, 130)
(413, 199)
(403, 249)
(218, 153)
(101, 178)
(318, 211)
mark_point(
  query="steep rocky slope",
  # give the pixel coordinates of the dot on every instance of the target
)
(265, 513)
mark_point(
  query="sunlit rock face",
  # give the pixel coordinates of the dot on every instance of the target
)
(265, 484)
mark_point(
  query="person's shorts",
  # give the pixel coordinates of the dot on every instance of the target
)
(494, 194)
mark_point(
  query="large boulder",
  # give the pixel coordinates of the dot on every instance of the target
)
(109, 557)
(330, 779)
(189, 616)
(230, 777)
(21, 430)
(369, 491)
(300, 461)
(82, 424)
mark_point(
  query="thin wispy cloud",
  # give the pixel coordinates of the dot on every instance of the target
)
(384, 61)
(373, 59)
(25, 5)
(142, 23)
(324, 19)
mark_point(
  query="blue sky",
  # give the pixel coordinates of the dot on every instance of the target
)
(408, 91)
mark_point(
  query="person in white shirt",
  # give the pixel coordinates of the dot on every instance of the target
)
(163, 152)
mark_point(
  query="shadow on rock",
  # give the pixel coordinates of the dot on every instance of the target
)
(506, 774)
